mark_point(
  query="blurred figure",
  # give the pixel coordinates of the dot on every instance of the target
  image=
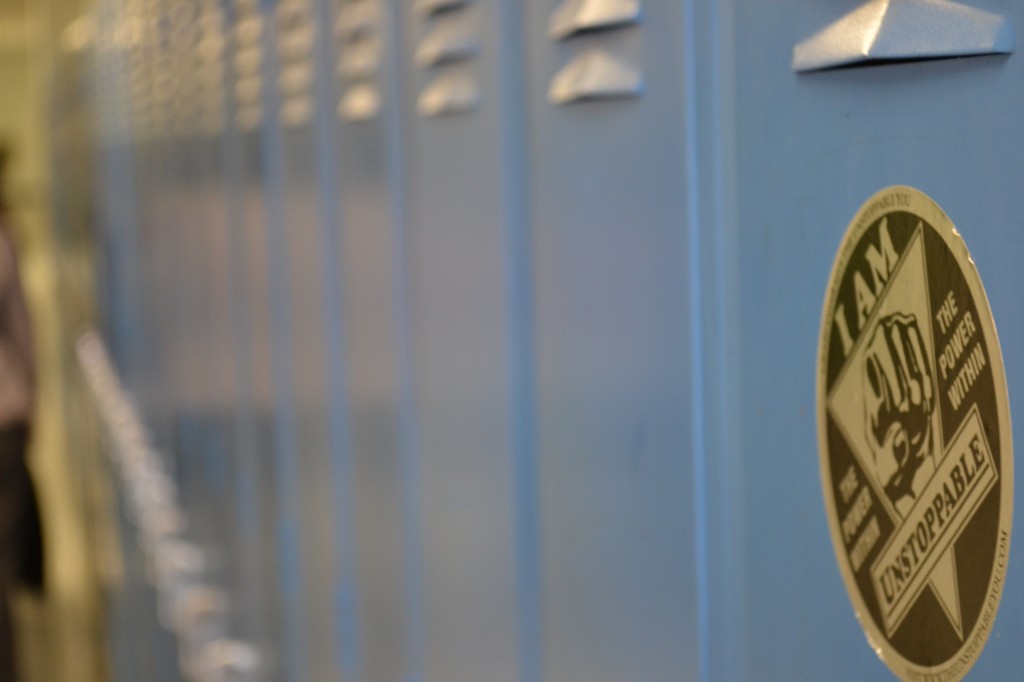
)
(21, 554)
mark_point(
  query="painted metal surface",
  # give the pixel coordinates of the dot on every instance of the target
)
(368, 252)
(834, 139)
(614, 357)
(495, 323)
(461, 178)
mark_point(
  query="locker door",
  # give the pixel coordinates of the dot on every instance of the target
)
(183, 229)
(259, 609)
(150, 123)
(463, 287)
(305, 324)
(203, 276)
(618, 450)
(368, 120)
(136, 651)
(157, 245)
(116, 210)
(810, 149)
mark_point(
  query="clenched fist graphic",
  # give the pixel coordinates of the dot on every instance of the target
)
(899, 400)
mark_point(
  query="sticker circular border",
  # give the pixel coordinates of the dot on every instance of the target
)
(841, 392)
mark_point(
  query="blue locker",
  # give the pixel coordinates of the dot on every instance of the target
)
(311, 447)
(114, 168)
(149, 169)
(472, 546)
(617, 366)
(132, 650)
(181, 230)
(187, 253)
(136, 649)
(806, 151)
(207, 449)
(368, 109)
(258, 611)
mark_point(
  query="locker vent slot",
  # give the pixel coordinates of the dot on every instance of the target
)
(596, 73)
(578, 16)
(295, 35)
(184, 102)
(429, 7)
(446, 51)
(161, 90)
(360, 59)
(357, 30)
(361, 102)
(139, 65)
(211, 50)
(448, 40)
(356, 19)
(248, 66)
(887, 31)
(449, 93)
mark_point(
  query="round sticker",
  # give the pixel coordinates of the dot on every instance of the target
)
(914, 437)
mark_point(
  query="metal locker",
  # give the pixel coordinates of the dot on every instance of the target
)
(806, 149)
(137, 650)
(370, 219)
(473, 592)
(615, 313)
(257, 614)
(191, 251)
(311, 434)
(203, 343)
(151, 119)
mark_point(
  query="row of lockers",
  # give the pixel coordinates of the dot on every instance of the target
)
(480, 336)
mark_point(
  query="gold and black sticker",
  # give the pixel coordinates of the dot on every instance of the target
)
(914, 437)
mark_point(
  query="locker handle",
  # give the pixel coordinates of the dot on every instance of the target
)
(578, 16)
(887, 31)
(595, 75)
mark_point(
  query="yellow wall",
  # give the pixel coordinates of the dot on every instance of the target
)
(62, 634)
